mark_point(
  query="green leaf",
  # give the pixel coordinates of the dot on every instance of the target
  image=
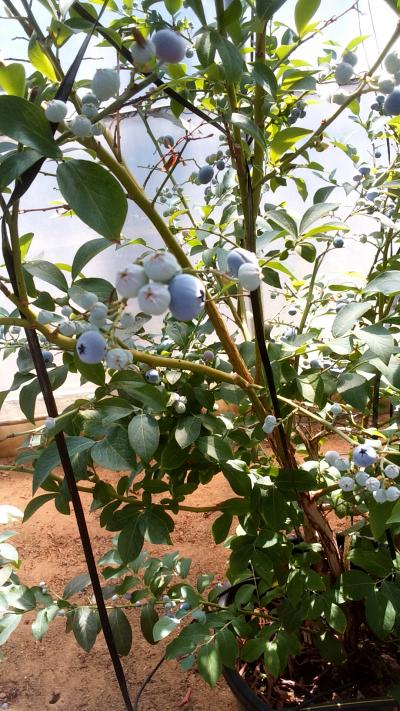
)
(85, 254)
(354, 390)
(323, 193)
(12, 79)
(173, 6)
(378, 340)
(144, 435)
(35, 504)
(232, 60)
(252, 649)
(215, 448)
(376, 562)
(50, 458)
(94, 195)
(121, 630)
(335, 617)
(209, 663)
(271, 658)
(248, 126)
(285, 140)
(265, 77)
(114, 451)
(314, 214)
(48, 272)
(266, 9)
(153, 528)
(27, 124)
(29, 393)
(221, 527)
(163, 627)
(130, 541)
(85, 627)
(40, 625)
(102, 288)
(281, 218)
(386, 283)
(76, 585)
(92, 372)
(187, 430)
(304, 12)
(39, 58)
(8, 624)
(198, 9)
(380, 613)
(148, 618)
(356, 584)
(15, 164)
(348, 316)
(151, 396)
(227, 647)
(172, 456)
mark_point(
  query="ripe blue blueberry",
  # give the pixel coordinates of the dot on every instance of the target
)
(154, 299)
(361, 478)
(205, 174)
(292, 311)
(372, 484)
(187, 297)
(118, 358)
(221, 165)
(152, 376)
(364, 170)
(249, 276)
(372, 195)
(105, 83)
(335, 409)
(98, 311)
(239, 256)
(343, 73)
(129, 280)
(341, 464)
(392, 471)
(378, 154)
(314, 363)
(386, 85)
(160, 266)
(364, 456)
(346, 483)
(269, 424)
(90, 98)
(47, 357)
(391, 106)
(331, 457)
(81, 127)
(375, 106)
(392, 63)
(339, 98)
(392, 493)
(66, 328)
(66, 311)
(89, 110)
(91, 347)
(208, 356)
(189, 53)
(170, 47)
(380, 495)
(350, 58)
(86, 299)
(338, 242)
(56, 111)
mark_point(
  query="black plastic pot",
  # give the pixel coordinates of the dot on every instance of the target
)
(249, 701)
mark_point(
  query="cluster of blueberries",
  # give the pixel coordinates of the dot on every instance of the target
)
(297, 112)
(166, 46)
(364, 456)
(158, 285)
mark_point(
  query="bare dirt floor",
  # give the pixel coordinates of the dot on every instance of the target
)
(57, 674)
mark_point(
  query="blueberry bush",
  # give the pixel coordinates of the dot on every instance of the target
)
(248, 314)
